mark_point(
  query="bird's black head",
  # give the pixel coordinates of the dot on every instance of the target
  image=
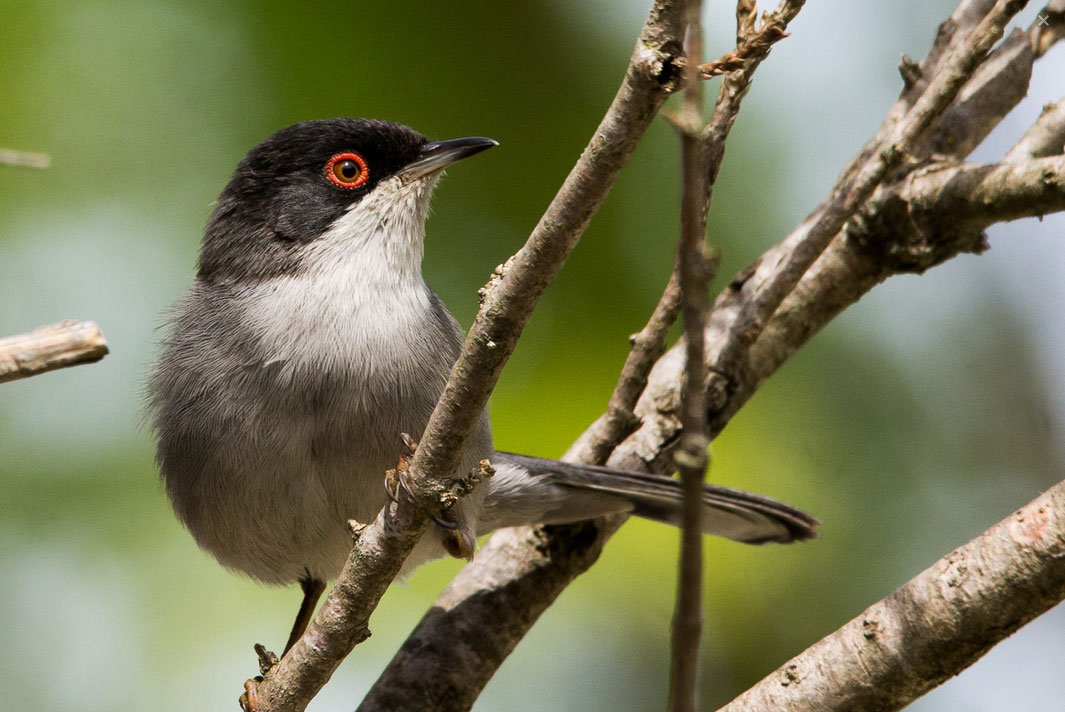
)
(293, 186)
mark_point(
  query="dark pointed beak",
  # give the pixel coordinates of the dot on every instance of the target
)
(438, 155)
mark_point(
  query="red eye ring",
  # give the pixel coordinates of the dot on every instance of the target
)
(339, 170)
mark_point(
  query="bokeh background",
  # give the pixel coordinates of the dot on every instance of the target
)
(923, 415)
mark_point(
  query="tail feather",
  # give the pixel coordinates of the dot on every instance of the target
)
(733, 514)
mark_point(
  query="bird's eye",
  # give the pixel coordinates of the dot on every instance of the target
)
(347, 170)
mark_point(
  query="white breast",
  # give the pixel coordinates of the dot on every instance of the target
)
(359, 303)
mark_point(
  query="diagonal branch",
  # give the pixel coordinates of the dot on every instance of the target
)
(925, 212)
(1046, 137)
(740, 315)
(933, 627)
(647, 345)
(494, 600)
(490, 605)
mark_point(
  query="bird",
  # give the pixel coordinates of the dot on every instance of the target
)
(309, 344)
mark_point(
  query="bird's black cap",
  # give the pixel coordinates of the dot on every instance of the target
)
(290, 188)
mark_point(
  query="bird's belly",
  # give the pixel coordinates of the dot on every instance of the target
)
(267, 460)
(275, 494)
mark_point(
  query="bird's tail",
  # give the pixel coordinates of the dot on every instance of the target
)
(531, 489)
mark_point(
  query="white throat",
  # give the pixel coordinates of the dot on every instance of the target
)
(360, 290)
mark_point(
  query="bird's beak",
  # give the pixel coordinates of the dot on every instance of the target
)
(438, 155)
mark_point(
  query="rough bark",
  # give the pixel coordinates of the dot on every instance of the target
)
(936, 625)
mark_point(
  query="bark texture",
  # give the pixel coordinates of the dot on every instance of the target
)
(67, 343)
(936, 625)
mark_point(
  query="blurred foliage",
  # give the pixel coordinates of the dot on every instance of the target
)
(904, 449)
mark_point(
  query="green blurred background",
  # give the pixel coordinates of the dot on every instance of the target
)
(923, 415)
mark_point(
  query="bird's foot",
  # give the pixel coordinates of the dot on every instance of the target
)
(267, 660)
(249, 701)
(397, 479)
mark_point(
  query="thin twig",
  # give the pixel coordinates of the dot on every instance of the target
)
(736, 84)
(1046, 137)
(933, 627)
(691, 456)
(740, 315)
(68, 343)
(755, 46)
(24, 159)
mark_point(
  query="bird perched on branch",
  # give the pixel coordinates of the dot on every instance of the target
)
(309, 343)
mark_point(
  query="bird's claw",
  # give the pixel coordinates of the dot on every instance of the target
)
(267, 659)
(397, 479)
(249, 701)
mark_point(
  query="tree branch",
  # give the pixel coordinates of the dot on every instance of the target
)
(48, 348)
(1048, 28)
(693, 267)
(933, 627)
(753, 46)
(740, 316)
(905, 241)
(494, 600)
(938, 206)
(518, 573)
(1046, 137)
(996, 86)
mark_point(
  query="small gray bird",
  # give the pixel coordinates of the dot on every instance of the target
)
(309, 343)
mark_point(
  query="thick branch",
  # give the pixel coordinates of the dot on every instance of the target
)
(994, 89)
(932, 628)
(849, 268)
(935, 208)
(67, 343)
(509, 299)
(533, 564)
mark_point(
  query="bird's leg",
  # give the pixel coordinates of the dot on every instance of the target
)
(312, 591)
